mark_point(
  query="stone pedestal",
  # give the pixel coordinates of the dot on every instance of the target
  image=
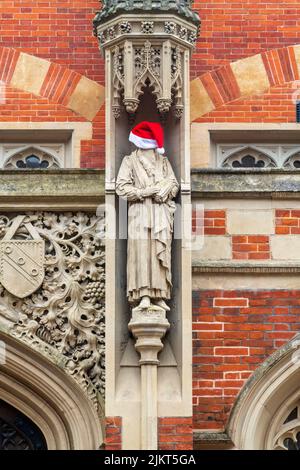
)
(149, 326)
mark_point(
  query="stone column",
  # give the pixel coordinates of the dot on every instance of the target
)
(149, 327)
(147, 47)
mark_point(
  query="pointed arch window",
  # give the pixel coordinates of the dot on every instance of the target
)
(31, 158)
(248, 157)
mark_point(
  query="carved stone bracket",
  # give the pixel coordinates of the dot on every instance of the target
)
(149, 326)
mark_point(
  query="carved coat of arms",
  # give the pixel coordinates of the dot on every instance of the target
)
(22, 261)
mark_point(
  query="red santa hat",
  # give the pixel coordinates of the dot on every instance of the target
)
(148, 135)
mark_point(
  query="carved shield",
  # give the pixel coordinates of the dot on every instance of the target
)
(22, 263)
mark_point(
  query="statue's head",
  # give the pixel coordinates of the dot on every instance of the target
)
(148, 135)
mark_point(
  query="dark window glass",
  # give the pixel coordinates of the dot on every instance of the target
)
(32, 161)
(248, 162)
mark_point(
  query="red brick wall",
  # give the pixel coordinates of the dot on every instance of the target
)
(209, 222)
(233, 333)
(287, 222)
(113, 433)
(61, 32)
(175, 433)
(19, 106)
(236, 29)
(253, 247)
(276, 105)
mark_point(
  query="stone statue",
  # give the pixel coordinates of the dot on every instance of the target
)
(146, 180)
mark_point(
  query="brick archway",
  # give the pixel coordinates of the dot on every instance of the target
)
(50, 80)
(246, 77)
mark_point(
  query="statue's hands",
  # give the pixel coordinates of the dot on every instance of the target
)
(150, 192)
(160, 199)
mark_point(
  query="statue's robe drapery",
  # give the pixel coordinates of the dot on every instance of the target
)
(150, 223)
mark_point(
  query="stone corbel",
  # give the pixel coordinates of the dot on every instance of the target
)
(149, 326)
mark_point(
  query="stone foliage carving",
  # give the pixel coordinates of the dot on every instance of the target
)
(66, 314)
(148, 28)
(111, 7)
(125, 27)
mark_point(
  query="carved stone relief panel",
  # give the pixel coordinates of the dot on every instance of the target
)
(177, 29)
(66, 313)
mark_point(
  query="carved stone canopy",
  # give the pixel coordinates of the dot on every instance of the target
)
(147, 44)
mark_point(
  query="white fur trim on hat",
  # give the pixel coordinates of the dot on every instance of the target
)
(161, 151)
(142, 143)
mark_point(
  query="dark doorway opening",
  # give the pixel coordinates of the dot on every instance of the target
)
(17, 432)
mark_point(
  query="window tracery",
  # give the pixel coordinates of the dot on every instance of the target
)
(288, 436)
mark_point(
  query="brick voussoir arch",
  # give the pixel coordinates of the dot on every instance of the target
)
(243, 78)
(50, 80)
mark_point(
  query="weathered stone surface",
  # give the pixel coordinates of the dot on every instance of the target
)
(111, 8)
(51, 188)
(30, 73)
(200, 100)
(250, 222)
(246, 183)
(251, 75)
(285, 247)
(87, 98)
(214, 248)
(297, 56)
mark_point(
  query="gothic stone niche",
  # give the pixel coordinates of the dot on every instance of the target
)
(66, 314)
(146, 43)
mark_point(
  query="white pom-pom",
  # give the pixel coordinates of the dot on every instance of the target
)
(161, 150)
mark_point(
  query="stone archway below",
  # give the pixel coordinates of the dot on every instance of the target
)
(254, 420)
(43, 392)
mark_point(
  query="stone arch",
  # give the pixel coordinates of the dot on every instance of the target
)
(276, 383)
(243, 78)
(42, 390)
(21, 153)
(46, 79)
